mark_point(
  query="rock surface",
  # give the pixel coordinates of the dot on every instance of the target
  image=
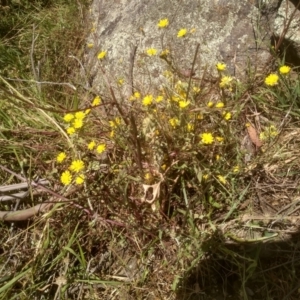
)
(235, 32)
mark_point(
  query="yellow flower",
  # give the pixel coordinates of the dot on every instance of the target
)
(163, 23)
(182, 32)
(210, 104)
(284, 70)
(121, 81)
(227, 116)
(61, 157)
(222, 179)
(272, 79)
(225, 81)
(218, 157)
(270, 132)
(96, 101)
(174, 122)
(79, 179)
(91, 145)
(147, 100)
(66, 178)
(163, 167)
(164, 52)
(136, 95)
(221, 67)
(101, 148)
(102, 54)
(68, 118)
(151, 51)
(205, 176)
(196, 90)
(77, 166)
(70, 130)
(87, 111)
(78, 123)
(112, 134)
(80, 115)
(159, 99)
(219, 105)
(190, 127)
(236, 169)
(207, 138)
(148, 176)
(183, 103)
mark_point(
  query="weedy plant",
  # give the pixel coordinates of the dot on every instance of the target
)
(146, 187)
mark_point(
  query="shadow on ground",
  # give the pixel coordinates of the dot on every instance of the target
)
(250, 271)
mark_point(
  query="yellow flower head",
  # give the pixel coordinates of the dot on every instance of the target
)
(183, 103)
(96, 101)
(159, 99)
(78, 123)
(90, 45)
(210, 104)
(102, 54)
(284, 70)
(222, 179)
(61, 157)
(174, 122)
(272, 79)
(190, 127)
(196, 90)
(221, 67)
(220, 105)
(147, 100)
(79, 179)
(137, 95)
(66, 178)
(70, 130)
(182, 32)
(207, 138)
(120, 81)
(91, 145)
(236, 169)
(163, 23)
(77, 166)
(164, 52)
(225, 81)
(227, 116)
(151, 51)
(80, 115)
(148, 176)
(68, 118)
(101, 148)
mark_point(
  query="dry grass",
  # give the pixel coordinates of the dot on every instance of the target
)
(225, 221)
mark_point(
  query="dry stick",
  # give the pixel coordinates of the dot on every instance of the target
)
(25, 214)
(134, 130)
(192, 71)
(134, 137)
